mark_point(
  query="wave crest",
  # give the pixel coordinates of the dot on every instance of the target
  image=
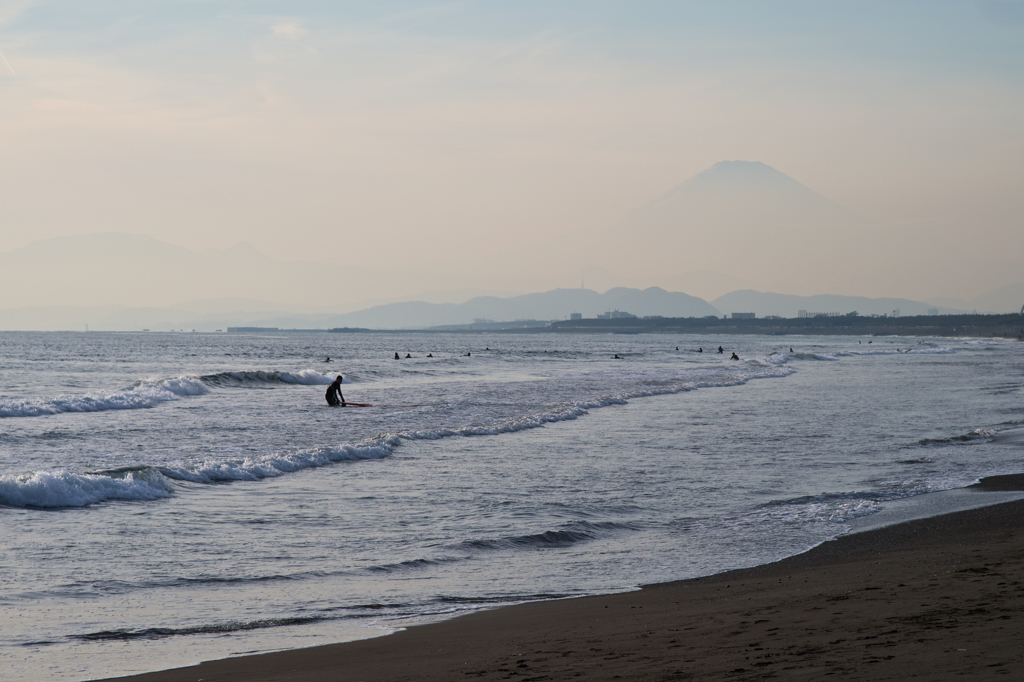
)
(65, 489)
(142, 395)
(255, 377)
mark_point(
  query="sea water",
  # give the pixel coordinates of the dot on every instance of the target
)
(172, 498)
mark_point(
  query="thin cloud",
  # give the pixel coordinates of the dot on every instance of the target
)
(290, 30)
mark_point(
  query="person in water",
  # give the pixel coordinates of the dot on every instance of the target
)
(720, 350)
(396, 357)
(334, 396)
(407, 355)
(734, 356)
(328, 360)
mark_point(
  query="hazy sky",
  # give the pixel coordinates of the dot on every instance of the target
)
(393, 133)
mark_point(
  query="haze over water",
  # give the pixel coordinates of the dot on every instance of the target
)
(169, 498)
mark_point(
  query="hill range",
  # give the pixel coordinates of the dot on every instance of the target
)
(724, 230)
(553, 305)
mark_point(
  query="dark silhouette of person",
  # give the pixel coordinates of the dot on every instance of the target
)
(677, 347)
(430, 355)
(616, 357)
(734, 356)
(720, 351)
(407, 355)
(701, 349)
(790, 349)
(396, 357)
(328, 360)
(468, 354)
(334, 396)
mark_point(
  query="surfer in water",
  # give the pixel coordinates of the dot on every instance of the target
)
(334, 396)
(734, 357)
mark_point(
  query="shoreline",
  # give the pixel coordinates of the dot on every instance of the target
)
(933, 597)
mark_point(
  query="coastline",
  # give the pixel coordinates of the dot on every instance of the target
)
(933, 597)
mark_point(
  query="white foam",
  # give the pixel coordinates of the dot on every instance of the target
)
(909, 351)
(271, 466)
(307, 377)
(65, 489)
(713, 379)
(142, 395)
(152, 392)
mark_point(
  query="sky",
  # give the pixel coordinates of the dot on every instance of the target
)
(411, 136)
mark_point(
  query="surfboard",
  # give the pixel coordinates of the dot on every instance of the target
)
(370, 405)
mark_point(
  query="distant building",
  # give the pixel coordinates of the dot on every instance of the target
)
(614, 315)
(801, 313)
(744, 316)
(576, 316)
(896, 312)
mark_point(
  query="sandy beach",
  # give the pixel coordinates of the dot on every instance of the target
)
(931, 599)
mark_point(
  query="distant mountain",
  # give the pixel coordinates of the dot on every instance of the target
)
(732, 192)
(785, 305)
(220, 314)
(550, 305)
(738, 223)
(1005, 299)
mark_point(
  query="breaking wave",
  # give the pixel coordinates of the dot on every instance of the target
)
(150, 393)
(142, 395)
(49, 489)
(65, 489)
(248, 378)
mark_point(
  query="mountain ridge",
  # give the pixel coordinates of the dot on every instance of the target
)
(556, 304)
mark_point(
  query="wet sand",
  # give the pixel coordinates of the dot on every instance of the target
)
(931, 599)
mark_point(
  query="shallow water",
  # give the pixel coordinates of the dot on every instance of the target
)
(169, 498)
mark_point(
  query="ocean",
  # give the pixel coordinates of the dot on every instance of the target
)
(167, 498)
